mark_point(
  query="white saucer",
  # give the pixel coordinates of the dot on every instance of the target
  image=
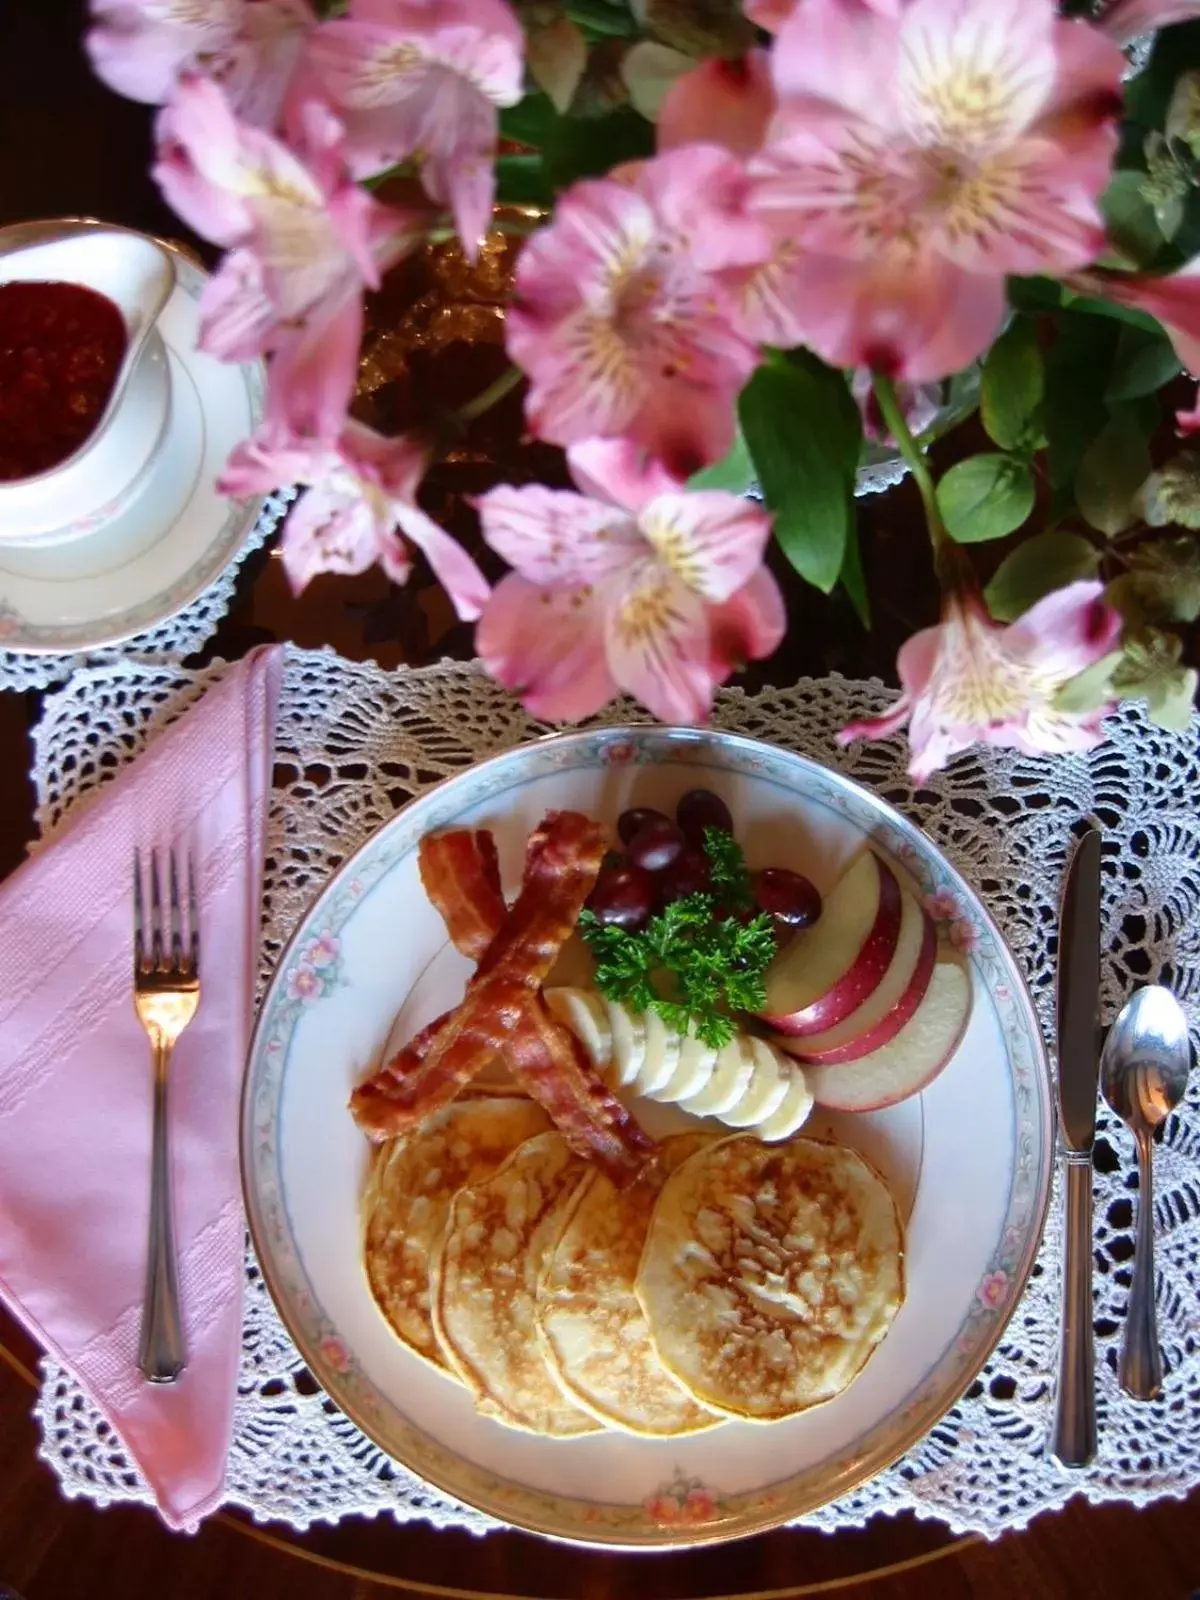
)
(176, 536)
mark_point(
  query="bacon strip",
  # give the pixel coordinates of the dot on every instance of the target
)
(460, 872)
(548, 1061)
(562, 860)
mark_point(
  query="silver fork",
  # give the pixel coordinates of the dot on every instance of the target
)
(166, 992)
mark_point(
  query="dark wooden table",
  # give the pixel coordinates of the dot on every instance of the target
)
(67, 146)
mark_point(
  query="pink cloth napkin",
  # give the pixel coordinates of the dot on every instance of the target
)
(76, 1085)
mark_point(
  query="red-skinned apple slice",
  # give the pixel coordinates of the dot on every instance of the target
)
(883, 1014)
(911, 1060)
(829, 970)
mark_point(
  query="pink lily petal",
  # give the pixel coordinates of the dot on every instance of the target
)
(914, 320)
(1067, 630)
(1126, 19)
(452, 566)
(619, 471)
(915, 662)
(314, 370)
(547, 647)
(262, 61)
(272, 456)
(658, 644)
(237, 318)
(837, 58)
(139, 51)
(1173, 299)
(1084, 114)
(201, 164)
(749, 626)
(729, 103)
(332, 529)
(770, 15)
(701, 193)
(556, 539)
(713, 542)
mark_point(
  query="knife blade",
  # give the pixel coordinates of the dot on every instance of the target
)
(1073, 1439)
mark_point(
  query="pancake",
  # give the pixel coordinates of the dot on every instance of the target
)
(770, 1274)
(408, 1197)
(596, 1337)
(484, 1281)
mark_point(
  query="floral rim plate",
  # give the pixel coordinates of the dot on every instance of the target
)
(174, 535)
(969, 1159)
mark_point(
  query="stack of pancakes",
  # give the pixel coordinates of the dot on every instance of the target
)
(738, 1280)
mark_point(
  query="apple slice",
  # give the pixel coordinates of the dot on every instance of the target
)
(910, 1060)
(884, 1013)
(829, 970)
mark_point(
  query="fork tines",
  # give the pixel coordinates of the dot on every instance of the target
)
(182, 931)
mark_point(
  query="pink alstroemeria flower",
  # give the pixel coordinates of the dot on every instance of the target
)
(141, 48)
(971, 680)
(305, 242)
(360, 508)
(620, 317)
(424, 78)
(771, 15)
(651, 589)
(918, 158)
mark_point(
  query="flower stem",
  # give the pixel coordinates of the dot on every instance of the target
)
(947, 557)
(492, 395)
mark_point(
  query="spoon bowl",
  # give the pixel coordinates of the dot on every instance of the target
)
(1144, 1071)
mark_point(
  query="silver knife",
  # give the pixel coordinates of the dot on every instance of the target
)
(1073, 1440)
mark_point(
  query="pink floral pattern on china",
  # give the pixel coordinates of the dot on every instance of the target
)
(949, 912)
(992, 1292)
(683, 1501)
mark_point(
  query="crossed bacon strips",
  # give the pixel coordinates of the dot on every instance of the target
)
(502, 1011)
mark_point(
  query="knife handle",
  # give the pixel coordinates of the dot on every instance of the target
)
(1073, 1442)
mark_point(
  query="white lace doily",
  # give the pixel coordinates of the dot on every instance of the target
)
(354, 743)
(173, 640)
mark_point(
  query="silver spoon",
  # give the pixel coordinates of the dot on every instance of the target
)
(1143, 1072)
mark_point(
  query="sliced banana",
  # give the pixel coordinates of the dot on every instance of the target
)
(693, 1070)
(628, 1044)
(586, 1015)
(729, 1082)
(662, 1054)
(766, 1090)
(793, 1109)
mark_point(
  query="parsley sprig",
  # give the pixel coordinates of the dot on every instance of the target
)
(693, 962)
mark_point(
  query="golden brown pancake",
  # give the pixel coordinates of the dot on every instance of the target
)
(408, 1197)
(770, 1274)
(597, 1339)
(484, 1282)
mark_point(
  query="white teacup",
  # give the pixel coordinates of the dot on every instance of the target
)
(99, 478)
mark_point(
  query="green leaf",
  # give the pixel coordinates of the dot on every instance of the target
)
(1143, 363)
(601, 20)
(1012, 385)
(985, 497)
(1034, 294)
(1151, 670)
(1095, 306)
(531, 121)
(1114, 467)
(590, 147)
(1132, 225)
(734, 472)
(1172, 494)
(522, 180)
(853, 579)
(804, 432)
(1091, 688)
(1042, 564)
(1077, 370)
(1162, 584)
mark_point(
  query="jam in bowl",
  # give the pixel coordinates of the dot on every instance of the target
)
(84, 380)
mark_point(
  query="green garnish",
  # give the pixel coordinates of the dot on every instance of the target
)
(690, 963)
(730, 874)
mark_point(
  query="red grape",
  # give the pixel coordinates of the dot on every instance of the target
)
(633, 820)
(787, 896)
(689, 873)
(623, 896)
(700, 809)
(656, 844)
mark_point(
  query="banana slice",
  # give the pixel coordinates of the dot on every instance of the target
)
(586, 1015)
(766, 1090)
(694, 1069)
(729, 1082)
(628, 1044)
(662, 1054)
(792, 1112)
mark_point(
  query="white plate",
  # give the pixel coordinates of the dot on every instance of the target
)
(175, 537)
(969, 1159)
